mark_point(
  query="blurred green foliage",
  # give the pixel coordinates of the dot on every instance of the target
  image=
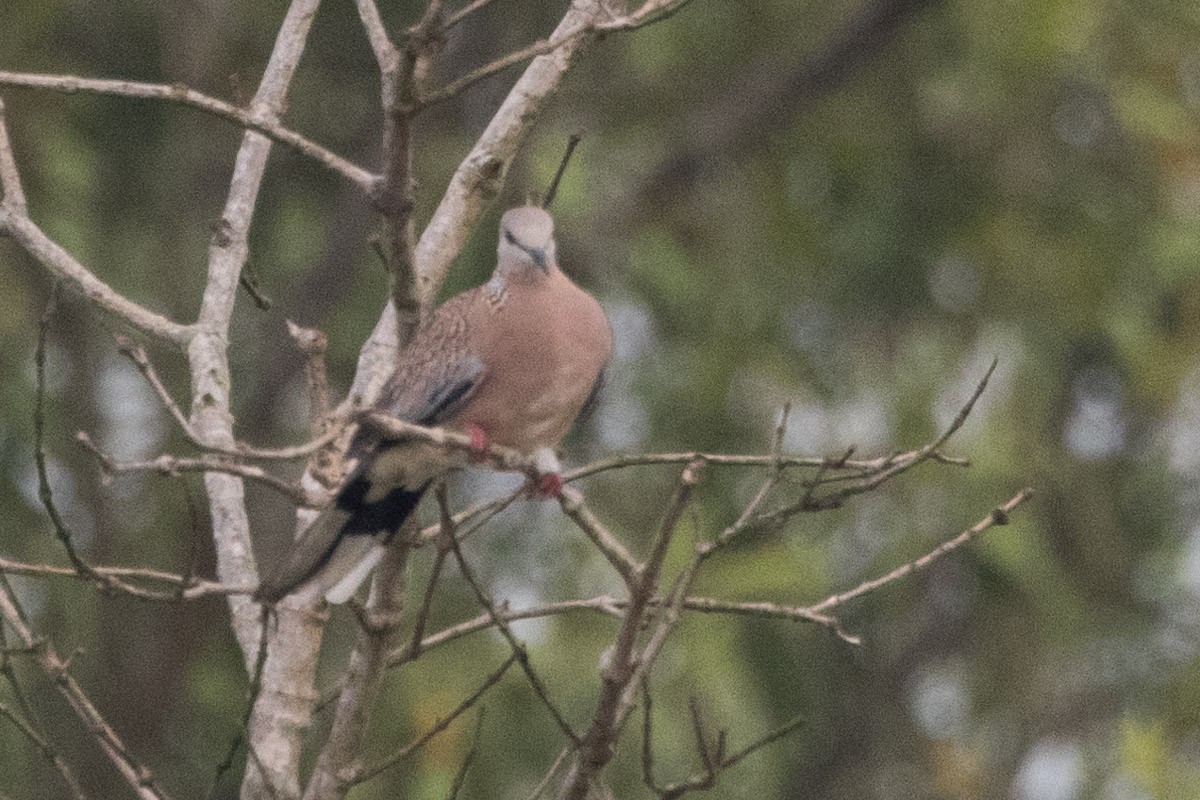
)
(1018, 180)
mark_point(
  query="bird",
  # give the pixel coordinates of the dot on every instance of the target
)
(513, 362)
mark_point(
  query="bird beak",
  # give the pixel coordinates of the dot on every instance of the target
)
(537, 255)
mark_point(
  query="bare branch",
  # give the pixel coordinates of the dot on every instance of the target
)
(256, 675)
(714, 767)
(117, 578)
(651, 12)
(332, 777)
(385, 52)
(50, 754)
(463, 13)
(285, 704)
(173, 466)
(252, 118)
(11, 193)
(999, 516)
(626, 665)
(517, 646)
(137, 354)
(573, 506)
(460, 777)
(139, 778)
(313, 343)
(732, 460)
(572, 142)
(481, 174)
(45, 493)
(367, 773)
(63, 266)
(891, 468)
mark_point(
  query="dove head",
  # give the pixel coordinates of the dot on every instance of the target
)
(526, 242)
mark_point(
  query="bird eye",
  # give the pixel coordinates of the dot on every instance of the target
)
(508, 237)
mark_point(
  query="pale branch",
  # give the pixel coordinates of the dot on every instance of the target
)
(173, 466)
(518, 647)
(12, 195)
(385, 51)
(252, 118)
(478, 179)
(504, 458)
(63, 266)
(314, 344)
(366, 773)
(57, 669)
(275, 732)
(47, 750)
(331, 778)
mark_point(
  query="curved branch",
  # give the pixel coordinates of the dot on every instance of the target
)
(63, 265)
(266, 124)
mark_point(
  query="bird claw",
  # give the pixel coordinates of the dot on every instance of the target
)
(546, 486)
(479, 443)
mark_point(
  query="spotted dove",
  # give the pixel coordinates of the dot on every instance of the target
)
(513, 362)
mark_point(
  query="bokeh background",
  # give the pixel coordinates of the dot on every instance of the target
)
(848, 206)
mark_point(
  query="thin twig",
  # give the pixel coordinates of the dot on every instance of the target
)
(140, 779)
(172, 466)
(48, 752)
(249, 282)
(116, 577)
(572, 142)
(572, 503)
(999, 516)
(460, 777)
(736, 460)
(45, 493)
(255, 688)
(367, 773)
(140, 359)
(518, 648)
(463, 13)
(626, 664)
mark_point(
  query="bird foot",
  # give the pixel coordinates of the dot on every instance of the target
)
(547, 481)
(479, 443)
(546, 487)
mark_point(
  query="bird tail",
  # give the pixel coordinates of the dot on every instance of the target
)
(343, 544)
